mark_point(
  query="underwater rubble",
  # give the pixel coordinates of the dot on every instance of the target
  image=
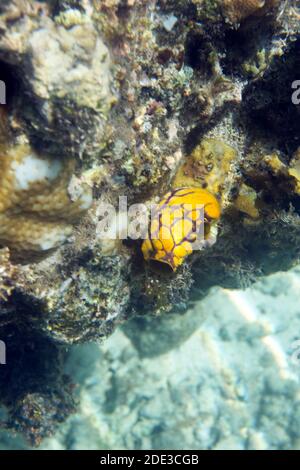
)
(133, 98)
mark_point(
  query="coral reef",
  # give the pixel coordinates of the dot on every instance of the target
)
(63, 70)
(37, 206)
(134, 98)
(238, 10)
(209, 166)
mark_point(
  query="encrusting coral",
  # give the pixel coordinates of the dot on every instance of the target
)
(208, 166)
(37, 206)
(270, 168)
(294, 170)
(246, 201)
(237, 10)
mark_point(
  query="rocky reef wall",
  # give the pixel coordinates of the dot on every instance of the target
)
(132, 98)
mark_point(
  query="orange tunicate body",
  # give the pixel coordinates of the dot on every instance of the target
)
(176, 225)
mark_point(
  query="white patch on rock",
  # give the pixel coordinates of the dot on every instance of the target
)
(33, 169)
(169, 22)
(54, 238)
(86, 200)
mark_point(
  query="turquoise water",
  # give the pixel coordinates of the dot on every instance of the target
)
(227, 377)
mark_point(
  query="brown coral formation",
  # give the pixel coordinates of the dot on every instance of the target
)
(36, 206)
(238, 10)
(270, 168)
